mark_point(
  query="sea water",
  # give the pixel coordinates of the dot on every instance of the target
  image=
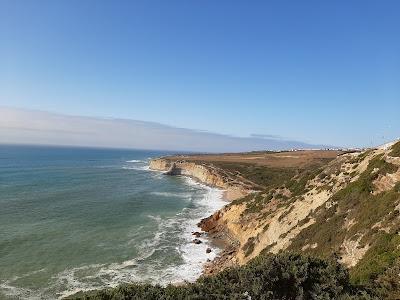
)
(79, 219)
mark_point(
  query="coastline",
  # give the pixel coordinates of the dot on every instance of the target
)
(217, 234)
(194, 255)
(221, 243)
(208, 175)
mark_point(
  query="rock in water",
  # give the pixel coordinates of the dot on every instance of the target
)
(197, 234)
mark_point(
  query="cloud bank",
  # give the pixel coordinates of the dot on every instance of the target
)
(20, 126)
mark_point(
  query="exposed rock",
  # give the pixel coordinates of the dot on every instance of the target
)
(386, 182)
(351, 252)
(197, 241)
(197, 234)
(210, 223)
(208, 250)
(207, 174)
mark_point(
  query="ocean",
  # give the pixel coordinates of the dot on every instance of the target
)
(79, 219)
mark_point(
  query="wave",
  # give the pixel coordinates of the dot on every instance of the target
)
(139, 168)
(195, 256)
(169, 194)
(19, 292)
(172, 235)
(134, 161)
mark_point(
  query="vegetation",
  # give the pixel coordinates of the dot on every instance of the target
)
(383, 255)
(298, 185)
(283, 276)
(266, 177)
(387, 285)
(395, 150)
(295, 179)
(249, 246)
(369, 212)
(256, 203)
(363, 155)
(242, 200)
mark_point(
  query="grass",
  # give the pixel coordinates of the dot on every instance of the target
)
(264, 176)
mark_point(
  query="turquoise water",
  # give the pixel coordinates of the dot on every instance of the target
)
(74, 218)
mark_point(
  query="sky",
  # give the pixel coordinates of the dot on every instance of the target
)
(22, 126)
(314, 72)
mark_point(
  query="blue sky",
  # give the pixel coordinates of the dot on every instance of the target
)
(313, 71)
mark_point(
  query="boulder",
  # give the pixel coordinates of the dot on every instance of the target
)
(196, 234)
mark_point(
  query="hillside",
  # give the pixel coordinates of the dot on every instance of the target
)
(337, 210)
(348, 208)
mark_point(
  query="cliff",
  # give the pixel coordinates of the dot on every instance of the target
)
(348, 208)
(207, 174)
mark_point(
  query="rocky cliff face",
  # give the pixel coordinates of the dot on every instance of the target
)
(206, 174)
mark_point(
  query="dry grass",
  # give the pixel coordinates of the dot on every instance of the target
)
(286, 159)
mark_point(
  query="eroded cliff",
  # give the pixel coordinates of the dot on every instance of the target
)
(207, 174)
(347, 208)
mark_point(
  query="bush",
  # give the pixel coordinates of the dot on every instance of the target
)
(395, 150)
(282, 276)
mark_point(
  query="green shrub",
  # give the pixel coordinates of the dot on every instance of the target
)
(248, 247)
(378, 258)
(298, 186)
(395, 150)
(282, 276)
(397, 187)
(387, 285)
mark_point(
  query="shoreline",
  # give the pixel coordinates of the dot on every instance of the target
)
(212, 201)
(209, 227)
(195, 256)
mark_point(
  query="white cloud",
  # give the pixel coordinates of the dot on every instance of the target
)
(21, 126)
